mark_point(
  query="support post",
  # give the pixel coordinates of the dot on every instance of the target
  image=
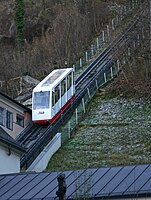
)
(74, 67)
(89, 93)
(80, 62)
(97, 42)
(105, 77)
(69, 128)
(111, 72)
(76, 116)
(21, 84)
(129, 51)
(118, 66)
(103, 36)
(138, 38)
(108, 31)
(86, 56)
(113, 28)
(96, 84)
(92, 49)
(83, 105)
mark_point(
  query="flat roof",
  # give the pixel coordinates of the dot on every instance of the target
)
(53, 78)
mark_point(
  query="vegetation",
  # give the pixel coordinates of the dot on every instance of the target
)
(114, 132)
(56, 31)
(19, 20)
(53, 32)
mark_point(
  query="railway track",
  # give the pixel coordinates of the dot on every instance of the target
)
(36, 137)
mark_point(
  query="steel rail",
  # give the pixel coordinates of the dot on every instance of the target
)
(108, 50)
(28, 157)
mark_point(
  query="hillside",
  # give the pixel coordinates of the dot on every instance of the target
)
(114, 132)
(55, 32)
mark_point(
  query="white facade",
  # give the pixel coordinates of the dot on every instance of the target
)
(10, 160)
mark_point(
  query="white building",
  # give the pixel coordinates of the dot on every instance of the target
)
(10, 152)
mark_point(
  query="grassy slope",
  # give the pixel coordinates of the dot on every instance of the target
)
(115, 132)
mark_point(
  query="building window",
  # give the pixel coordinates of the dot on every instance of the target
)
(20, 120)
(2, 116)
(9, 120)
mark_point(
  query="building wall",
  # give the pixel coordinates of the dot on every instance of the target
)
(9, 163)
(16, 129)
(28, 118)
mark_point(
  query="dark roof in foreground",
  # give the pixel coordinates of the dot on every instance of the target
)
(7, 139)
(104, 182)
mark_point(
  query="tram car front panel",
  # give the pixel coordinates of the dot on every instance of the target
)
(41, 106)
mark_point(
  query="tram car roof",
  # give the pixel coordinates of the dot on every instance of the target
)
(52, 80)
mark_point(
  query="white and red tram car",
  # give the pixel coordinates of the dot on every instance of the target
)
(53, 95)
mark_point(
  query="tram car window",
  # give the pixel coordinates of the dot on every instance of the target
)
(57, 93)
(63, 87)
(53, 98)
(41, 100)
(53, 95)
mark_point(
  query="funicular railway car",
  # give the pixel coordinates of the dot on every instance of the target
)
(53, 95)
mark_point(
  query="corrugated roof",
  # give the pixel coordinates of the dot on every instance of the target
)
(7, 139)
(104, 182)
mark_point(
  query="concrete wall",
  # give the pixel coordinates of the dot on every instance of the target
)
(42, 160)
(9, 163)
